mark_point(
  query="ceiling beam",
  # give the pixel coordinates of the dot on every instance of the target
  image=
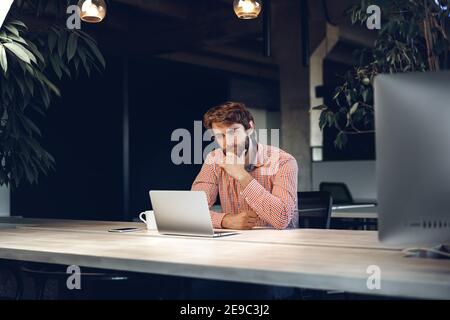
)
(234, 52)
(171, 8)
(357, 35)
(182, 37)
(219, 63)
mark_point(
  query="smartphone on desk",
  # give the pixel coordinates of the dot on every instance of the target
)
(123, 230)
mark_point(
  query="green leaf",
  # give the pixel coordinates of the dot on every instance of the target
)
(52, 40)
(322, 120)
(72, 46)
(358, 115)
(62, 44)
(37, 108)
(65, 68)
(51, 86)
(96, 52)
(18, 52)
(19, 83)
(330, 119)
(341, 140)
(365, 94)
(45, 96)
(353, 108)
(36, 52)
(12, 29)
(18, 39)
(85, 35)
(82, 55)
(77, 64)
(30, 85)
(18, 23)
(321, 107)
(31, 125)
(3, 59)
(28, 52)
(29, 175)
(336, 95)
(56, 67)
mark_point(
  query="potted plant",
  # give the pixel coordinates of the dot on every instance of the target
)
(413, 37)
(31, 64)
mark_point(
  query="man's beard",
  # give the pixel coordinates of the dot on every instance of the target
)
(238, 148)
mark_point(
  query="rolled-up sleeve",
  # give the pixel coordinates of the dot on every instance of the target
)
(277, 208)
(207, 181)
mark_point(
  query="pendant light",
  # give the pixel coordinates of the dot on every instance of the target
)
(247, 9)
(92, 11)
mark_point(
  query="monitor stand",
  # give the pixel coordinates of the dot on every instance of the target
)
(438, 252)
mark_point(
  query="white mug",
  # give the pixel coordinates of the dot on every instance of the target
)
(148, 217)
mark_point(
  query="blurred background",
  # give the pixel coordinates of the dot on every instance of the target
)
(167, 62)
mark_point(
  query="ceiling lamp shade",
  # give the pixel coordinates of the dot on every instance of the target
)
(5, 5)
(92, 11)
(247, 9)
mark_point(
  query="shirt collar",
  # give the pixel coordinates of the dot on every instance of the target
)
(257, 157)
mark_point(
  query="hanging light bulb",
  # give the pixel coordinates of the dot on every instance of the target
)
(92, 11)
(247, 9)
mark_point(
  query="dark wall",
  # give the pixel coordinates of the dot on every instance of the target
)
(84, 132)
(165, 96)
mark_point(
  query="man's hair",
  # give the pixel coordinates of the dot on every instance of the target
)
(228, 113)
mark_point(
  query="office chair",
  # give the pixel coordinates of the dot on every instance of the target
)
(314, 209)
(339, 192)
(342, 196)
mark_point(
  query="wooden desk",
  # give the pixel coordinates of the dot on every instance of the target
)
(334, 238)
(299, 258)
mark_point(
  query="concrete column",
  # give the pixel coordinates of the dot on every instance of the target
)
(294, 87)
(316, 79)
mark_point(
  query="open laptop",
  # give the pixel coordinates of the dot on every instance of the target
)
(183, 213)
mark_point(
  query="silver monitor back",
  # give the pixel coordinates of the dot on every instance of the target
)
(412, 120)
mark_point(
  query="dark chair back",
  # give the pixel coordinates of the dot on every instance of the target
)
(339, 192)
(314, 209)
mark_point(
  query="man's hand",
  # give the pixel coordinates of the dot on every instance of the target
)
(244, 220)
(234, 167)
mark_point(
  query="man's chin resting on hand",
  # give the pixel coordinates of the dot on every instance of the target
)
(256, 183)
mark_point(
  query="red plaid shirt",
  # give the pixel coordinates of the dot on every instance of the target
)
(272, 193)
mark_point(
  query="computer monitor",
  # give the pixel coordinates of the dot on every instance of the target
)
(412, 120)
